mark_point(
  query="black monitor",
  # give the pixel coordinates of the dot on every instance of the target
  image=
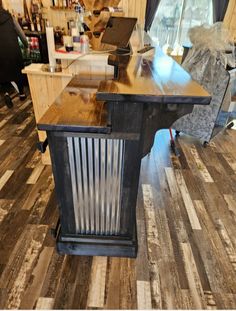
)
(118, 32)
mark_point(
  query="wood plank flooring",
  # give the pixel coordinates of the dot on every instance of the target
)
(186, 216)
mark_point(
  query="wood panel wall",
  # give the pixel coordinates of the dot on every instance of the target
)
(55, 17)
(132, 8)
(15, 5)
(230, 18)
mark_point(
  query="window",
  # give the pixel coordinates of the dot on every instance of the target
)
(174, 18)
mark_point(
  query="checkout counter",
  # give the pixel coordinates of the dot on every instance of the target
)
(98, 132)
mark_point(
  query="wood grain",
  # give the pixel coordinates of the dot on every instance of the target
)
(230, 159)
(177, 184)
(113, 284)
(35, 174)
(200, 166)
(16, 291)
(231, 202)
(32, 293)
(229, 19)
(144, 295)
(66, 286)
(187, 201)
(5, 177)
(128, 287)
(193, 277)
(137, 79)
(44, 303)
(96, 294)
(85, 112)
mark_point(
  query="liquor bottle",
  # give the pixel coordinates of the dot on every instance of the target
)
(34, 7)
(19, 19)
(80, 21)
(69, 4)
(32, 28)
(56, 3)
(25, 24)
(26, 21)
(86, 27)
(96, 12)
(38, 24)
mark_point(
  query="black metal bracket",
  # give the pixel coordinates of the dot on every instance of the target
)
(42, 146)
(118, 61)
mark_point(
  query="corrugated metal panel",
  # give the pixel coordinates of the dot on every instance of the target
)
(96, 168)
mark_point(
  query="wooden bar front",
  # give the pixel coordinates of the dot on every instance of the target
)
(98, 135)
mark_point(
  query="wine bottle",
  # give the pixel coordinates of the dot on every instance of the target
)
(38, 24)
(96, 12)
(85, 26)
(32, 28)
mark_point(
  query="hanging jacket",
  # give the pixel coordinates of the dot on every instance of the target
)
(11, 62)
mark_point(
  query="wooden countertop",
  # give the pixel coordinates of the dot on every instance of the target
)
(90, 56)
(93, 57)
(159, 79)
(36, 69)
(76, 109)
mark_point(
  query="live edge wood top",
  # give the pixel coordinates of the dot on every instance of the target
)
(76, 109)
(153, 79)
(81, 106)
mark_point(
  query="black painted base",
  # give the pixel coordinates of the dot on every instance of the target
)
(97, 246)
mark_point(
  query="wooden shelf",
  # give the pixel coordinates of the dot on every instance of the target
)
(55, 8)
(95, 23)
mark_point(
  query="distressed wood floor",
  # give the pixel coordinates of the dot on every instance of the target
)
(186, 229)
